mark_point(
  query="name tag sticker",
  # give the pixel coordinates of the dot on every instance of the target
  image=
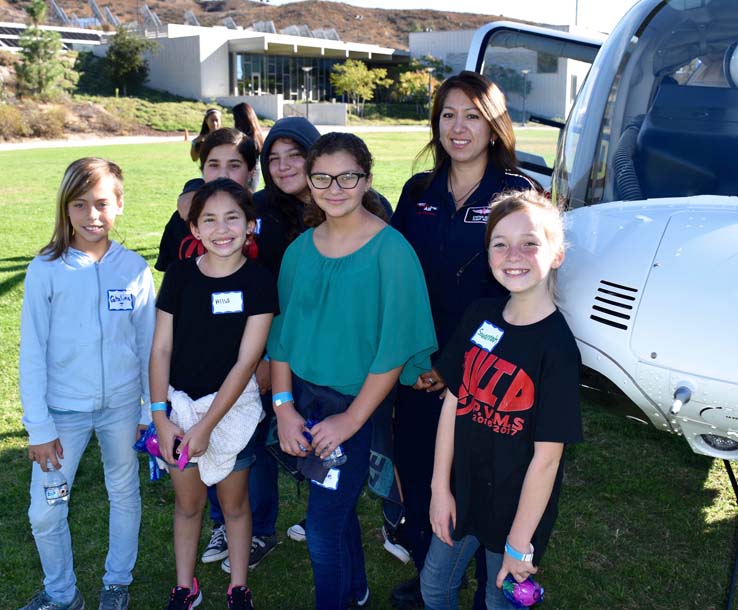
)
(487, 336)
(227, 302)
(120, 300)
(330, 481)
(476, 215)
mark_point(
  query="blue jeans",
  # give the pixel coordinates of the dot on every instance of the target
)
(333, 532)
(443, 571)
(116, 431)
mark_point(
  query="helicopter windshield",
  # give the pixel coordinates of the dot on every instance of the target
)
(666, 86)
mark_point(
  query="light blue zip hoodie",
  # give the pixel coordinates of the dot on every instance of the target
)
(86, 332)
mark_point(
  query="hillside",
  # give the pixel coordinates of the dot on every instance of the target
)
(389, 28)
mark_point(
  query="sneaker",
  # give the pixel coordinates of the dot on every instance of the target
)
(261, 546)
(297, 531)
(393, 547)
(363, 602)
(114, 597)
(41, 601)
(240, 599)
(217, 548)
(182, 598)
(406, 595)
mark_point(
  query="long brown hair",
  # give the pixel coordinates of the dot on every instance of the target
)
(332, 143)
(490, 101)
(79, 177)
(246, 121)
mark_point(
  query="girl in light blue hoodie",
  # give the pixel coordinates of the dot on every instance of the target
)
(86, 329)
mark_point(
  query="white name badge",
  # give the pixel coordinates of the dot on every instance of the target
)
(227, 302)
(487, 336)
(120, 300)
(330, 481)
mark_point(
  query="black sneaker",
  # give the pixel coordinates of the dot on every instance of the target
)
(363, 602)
(406, 595)
(182, 598)
(240, 599)
(217, 548)
(261, 546)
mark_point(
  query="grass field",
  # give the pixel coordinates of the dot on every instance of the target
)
(644, 523)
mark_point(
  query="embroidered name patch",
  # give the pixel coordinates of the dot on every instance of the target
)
(120, 300)
(227, 302)
(487, 336)
(476, 215)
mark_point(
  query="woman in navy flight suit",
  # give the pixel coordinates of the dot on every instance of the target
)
(443, 214)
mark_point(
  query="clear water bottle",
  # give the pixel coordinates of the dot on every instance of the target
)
(337, 456)
(55, 485)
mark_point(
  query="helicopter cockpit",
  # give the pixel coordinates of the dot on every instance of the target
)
(669, 123)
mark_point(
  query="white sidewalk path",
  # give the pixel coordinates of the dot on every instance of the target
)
(103, 141)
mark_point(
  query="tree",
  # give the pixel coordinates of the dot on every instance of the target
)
(413, 86)
(354, 79)
(41, 72)
(125, 63)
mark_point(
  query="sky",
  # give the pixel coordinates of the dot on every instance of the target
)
(599, 15)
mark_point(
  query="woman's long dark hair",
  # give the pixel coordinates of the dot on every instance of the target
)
(350, 144)
(246, 121)
(490, 101)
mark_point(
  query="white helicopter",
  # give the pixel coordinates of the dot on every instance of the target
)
(647, 167)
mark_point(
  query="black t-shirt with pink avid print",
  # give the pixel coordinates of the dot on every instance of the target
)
(516, 385)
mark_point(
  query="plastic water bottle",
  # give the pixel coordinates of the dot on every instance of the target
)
(55, 485)
(337, 456)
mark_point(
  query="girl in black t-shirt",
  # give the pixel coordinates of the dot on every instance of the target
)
(213, 317)
(512, 370)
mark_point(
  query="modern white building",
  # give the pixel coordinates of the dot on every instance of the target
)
(224, 63)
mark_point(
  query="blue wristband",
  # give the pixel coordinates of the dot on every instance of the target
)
(517, 555)
(266, 358)
(281, 398)
(158, 406)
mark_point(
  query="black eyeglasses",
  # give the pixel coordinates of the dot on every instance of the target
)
(347, 180)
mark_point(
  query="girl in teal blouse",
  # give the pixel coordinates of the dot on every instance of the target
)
(355, 319)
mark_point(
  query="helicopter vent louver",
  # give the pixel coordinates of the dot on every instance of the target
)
(613, 304)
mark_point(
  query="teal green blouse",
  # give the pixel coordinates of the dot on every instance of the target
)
(343, 318)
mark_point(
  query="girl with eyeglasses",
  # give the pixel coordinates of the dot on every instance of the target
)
(355, 318)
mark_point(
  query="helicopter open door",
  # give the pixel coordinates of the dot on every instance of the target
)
(540, 71)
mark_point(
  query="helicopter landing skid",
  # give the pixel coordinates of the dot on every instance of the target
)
(731, 585)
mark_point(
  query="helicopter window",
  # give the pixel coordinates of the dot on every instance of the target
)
(539, 77)
(670, 116)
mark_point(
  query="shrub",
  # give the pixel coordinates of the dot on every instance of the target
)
(13, 123)
(50, 124)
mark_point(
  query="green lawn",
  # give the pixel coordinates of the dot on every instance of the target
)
(644, 523)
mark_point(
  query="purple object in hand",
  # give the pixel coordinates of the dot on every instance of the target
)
(522, 594)
(152, 445)
(184, 457)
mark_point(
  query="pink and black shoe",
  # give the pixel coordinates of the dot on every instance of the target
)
(182, 598)
(239, 598)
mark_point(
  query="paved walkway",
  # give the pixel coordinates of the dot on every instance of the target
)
(108, 141)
